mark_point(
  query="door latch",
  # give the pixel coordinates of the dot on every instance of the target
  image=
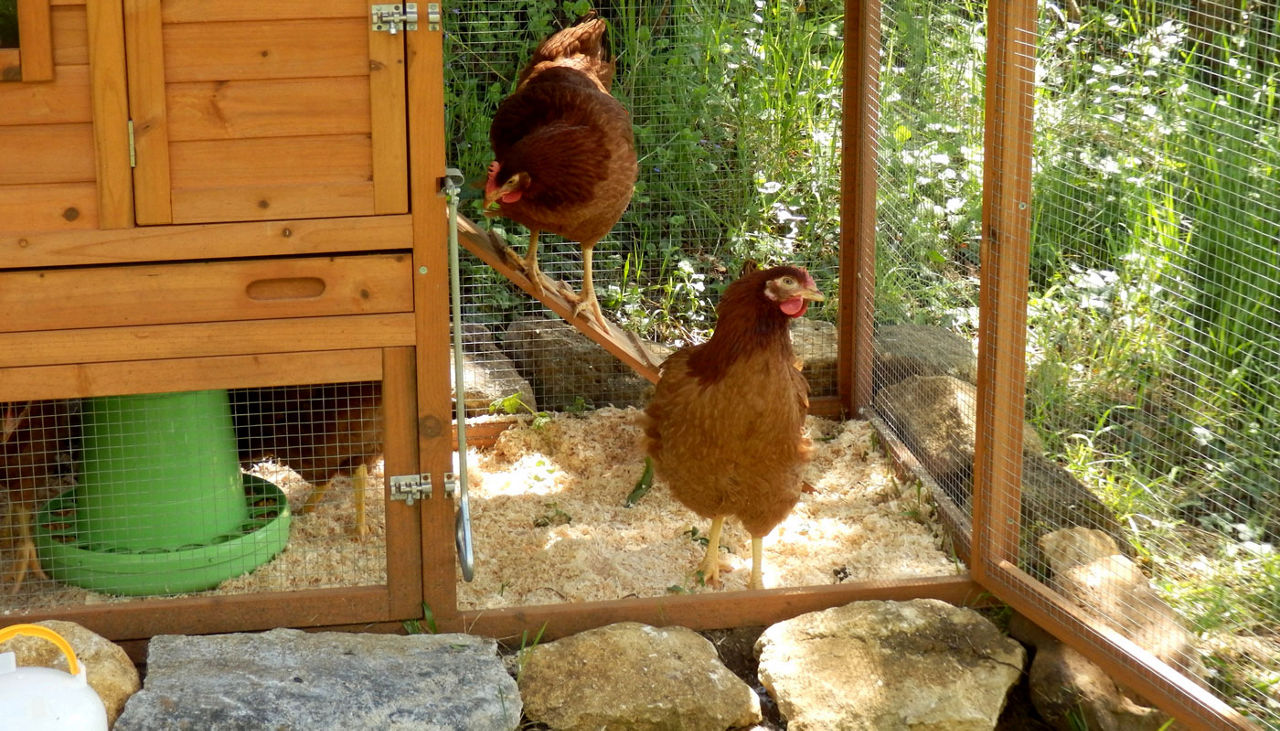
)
(410, 488)
(396, 17)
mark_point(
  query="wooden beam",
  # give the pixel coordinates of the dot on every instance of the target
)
(858, 177)
(711, 610)
(146, 617)
(425, 54)
(1006, 234)
(187, 374)
(35, 40)
(190, 340)
(1120, 658)
(110, 113)
(144, 46)
(400, 457)
(625, 346)
(206, 241)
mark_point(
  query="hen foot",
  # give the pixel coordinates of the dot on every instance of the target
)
(27, 561)
(709, 569)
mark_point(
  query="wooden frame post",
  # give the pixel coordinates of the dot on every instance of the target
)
(858, 203)
(1006, 232)
(997, 469)
(425, 86)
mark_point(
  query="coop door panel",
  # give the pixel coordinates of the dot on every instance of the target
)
(196, 492)
(259, 112)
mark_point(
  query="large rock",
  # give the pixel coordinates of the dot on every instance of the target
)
(108, 668)
(922, 665)
(634, 676)
(490, 374)
(1069, 691)
(815, 344)
(1088, 569)
(568, 370)
(286, 678)
(902, 351)
(937, 417)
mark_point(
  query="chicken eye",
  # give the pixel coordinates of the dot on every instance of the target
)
(788, 281)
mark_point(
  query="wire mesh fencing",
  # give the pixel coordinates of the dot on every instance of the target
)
(736, 113)
(114, 498)
(1147, 477)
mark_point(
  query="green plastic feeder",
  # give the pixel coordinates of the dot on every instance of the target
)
(161, 506)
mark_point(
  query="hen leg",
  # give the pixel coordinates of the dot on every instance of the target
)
(587, 298)
(757, 562)
(710, 568)
(529, 264)
(27, 561)
(359, 480)
(317, 494)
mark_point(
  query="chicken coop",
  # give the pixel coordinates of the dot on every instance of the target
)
(265, 361)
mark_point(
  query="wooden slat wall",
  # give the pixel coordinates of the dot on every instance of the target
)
(228, 110)
(48, 179)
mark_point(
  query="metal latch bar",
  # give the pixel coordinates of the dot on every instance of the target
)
(410, 488)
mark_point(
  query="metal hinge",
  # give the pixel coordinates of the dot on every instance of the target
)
(410, 488)
(133, 150)
(396, 17)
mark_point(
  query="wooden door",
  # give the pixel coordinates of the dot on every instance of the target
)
(244, 110)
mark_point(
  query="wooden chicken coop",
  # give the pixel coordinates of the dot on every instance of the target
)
(243, 197)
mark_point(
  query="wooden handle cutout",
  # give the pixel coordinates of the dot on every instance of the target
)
(291, 288)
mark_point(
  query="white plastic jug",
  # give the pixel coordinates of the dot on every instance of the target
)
(45, 699)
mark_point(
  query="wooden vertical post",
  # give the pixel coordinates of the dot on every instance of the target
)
(35, 39)
(110, 113)
(431, 308)
(1006, 235)
(400, 455)
(858, 203)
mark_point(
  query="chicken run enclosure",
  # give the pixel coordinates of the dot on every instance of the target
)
(1044, 374)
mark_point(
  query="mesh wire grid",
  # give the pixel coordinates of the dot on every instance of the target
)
(713, 190)
(1151, 308)
(169, 494)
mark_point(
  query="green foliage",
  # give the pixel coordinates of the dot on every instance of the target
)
(8, 23)
(513, 404)
(426, 625)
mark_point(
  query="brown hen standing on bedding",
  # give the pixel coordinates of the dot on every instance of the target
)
(565, 157)
(725, 424)
(321, 432)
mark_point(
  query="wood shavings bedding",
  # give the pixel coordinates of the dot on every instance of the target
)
(550, 523)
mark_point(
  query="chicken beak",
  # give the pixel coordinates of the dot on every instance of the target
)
(811, 294)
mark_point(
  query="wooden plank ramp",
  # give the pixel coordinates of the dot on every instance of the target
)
(626, 346)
